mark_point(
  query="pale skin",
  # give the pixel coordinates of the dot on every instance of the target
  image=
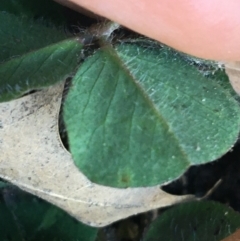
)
(205, 28)
(208, 29)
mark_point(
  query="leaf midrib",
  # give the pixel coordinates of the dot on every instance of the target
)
(152, 106)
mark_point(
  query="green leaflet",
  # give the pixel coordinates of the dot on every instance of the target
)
(3, 184)
(33, 56)
(46, 10)
(25, 217)
(195, 221)
(19, 35)
(140, 116)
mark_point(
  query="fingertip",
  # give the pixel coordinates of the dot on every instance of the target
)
(203, 28)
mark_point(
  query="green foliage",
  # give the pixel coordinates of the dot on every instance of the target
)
(33, 56)
(25, 217)
(137, 114)
(20, 36)
(133, 120)
(48, 66)
(47, 10)
(196, 221)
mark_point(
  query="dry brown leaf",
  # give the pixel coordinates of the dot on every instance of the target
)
(234, 237)
(233, 72)
(34, 159)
